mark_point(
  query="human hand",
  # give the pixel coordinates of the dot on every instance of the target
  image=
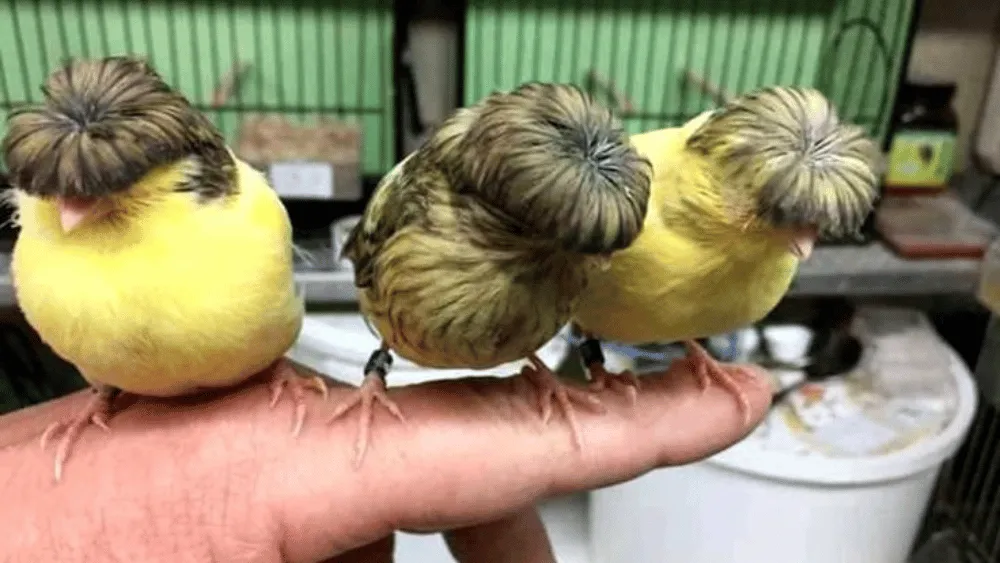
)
(221, 479)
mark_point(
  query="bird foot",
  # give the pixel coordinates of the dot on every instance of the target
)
(548, 386)
(707, 369)
(284, 376)
(372, 391)
(601, 379)
(96, 412)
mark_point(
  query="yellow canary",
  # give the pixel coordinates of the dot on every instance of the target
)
(473, 250)
(739, 196)
(148, 255)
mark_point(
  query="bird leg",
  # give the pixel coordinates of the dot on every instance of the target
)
(284, 375)
(96, 412)
(600, 378)
(548, 386)
(708, 369)
(372, 391)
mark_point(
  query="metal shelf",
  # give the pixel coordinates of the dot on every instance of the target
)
(874, 270)
(832, 270)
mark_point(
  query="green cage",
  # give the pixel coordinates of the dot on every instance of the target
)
(661, 62)
(301, 60)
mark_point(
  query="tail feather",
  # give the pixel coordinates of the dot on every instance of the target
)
(556, 161)
(790, 150)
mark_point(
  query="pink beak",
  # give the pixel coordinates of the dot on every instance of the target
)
(73, 211)
(801, 245)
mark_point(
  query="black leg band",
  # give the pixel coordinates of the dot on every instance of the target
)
(379, 362)
(590, 352)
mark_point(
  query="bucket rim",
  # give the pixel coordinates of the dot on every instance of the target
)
(915, 459)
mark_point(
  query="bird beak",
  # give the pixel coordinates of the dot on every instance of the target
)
(801, 245)
(75, 210)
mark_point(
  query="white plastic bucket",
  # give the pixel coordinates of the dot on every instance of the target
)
(751, 505)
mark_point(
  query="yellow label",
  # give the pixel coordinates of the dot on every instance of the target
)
(921, 158)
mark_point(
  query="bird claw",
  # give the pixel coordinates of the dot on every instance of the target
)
(601, 379)
(96, 412)
(548, 386)
(100, 420)
(49, 433)
(707, 369)
(285, 376)
(371, 391)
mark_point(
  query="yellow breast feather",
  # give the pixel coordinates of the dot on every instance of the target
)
(678, 282)
(190, 294)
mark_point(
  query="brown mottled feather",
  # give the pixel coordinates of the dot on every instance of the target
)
(103, 125)
(473, 249)
(783, 154)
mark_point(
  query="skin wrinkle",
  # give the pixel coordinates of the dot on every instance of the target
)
(101, 540)
(200, 507)
(475, 452)
(225, 513)
(56, 547)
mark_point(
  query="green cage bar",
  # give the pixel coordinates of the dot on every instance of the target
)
(307, 58)
(661, 62)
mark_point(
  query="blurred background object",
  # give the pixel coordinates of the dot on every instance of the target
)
(325, 96)
(922, 149)
(297, 88)
(29, 372)
(933, 226)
